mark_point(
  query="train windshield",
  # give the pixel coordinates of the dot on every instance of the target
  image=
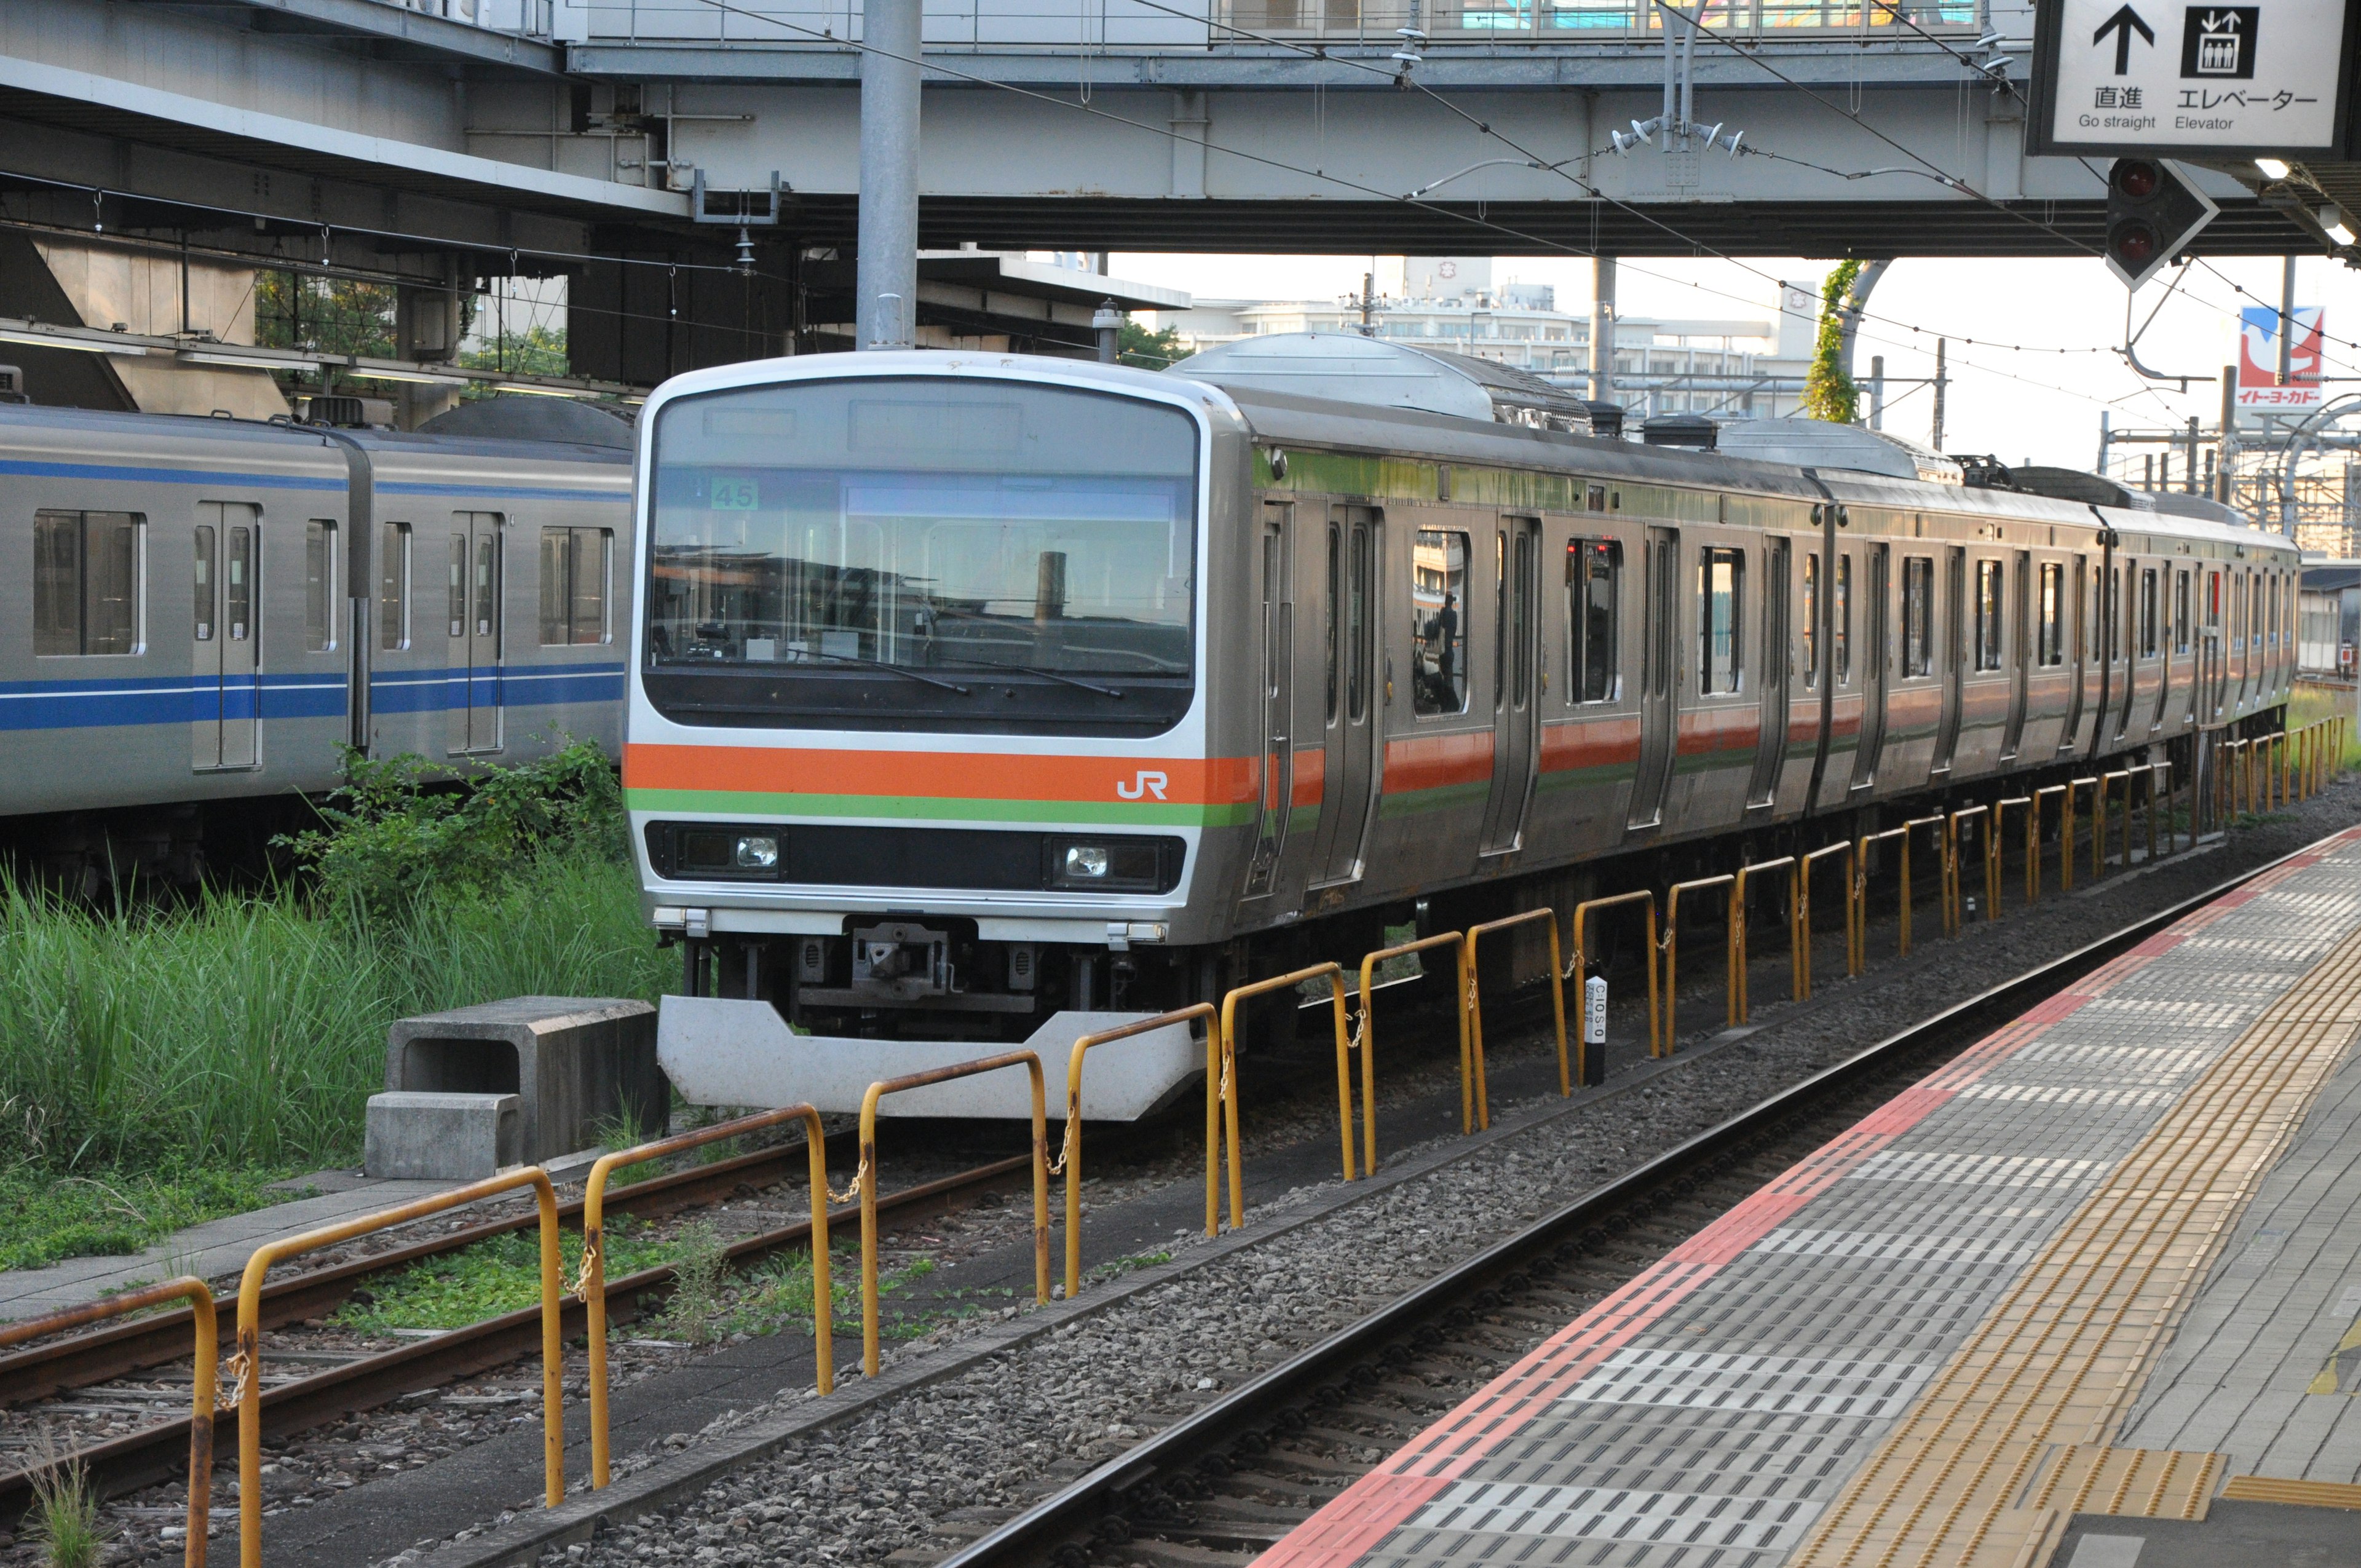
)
(955, 553)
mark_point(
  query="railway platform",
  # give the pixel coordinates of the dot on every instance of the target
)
(2088, 1295)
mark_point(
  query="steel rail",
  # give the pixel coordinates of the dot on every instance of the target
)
(160, 1340)
(1075, 1510)
(156, 1453)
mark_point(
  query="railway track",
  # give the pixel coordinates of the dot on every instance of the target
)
(1231, 1479)
(334, 1384)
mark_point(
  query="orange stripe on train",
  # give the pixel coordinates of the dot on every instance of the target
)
(958, 776)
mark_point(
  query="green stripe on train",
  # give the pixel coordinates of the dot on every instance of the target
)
(933, 808)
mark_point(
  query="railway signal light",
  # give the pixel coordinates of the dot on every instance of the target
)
(2153, 212)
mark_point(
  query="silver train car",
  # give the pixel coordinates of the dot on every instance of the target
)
(214, 607)
(984, 698)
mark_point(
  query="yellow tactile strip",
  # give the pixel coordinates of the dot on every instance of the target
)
(2310, 1494)
(2012, 1433)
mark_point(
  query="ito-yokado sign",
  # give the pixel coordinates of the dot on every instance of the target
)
(2142, 76)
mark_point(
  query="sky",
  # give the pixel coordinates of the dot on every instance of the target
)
(2012, 393)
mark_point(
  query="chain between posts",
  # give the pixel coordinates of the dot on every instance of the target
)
(205, 1399)
(249, 1334)
(1475, 1003)
(868, 1178)
(590, 1284)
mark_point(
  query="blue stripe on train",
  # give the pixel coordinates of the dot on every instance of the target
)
(185, 699)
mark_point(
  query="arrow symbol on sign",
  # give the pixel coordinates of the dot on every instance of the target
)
(2123, 24)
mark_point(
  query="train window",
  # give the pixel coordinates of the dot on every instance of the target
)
(319, 586)
(202, 618)
(1438, 623)
(1334, 598)
(237, 584)
(1918, 615)
(393, 586)
(1357, 615)
(1722, 586)
(1988, 615)
(2147, 607)
(87, 582)
(457, 584)
(1841, 619)
(2052, 650)
(1594, 570)
(2180, 611)
(2273, 622)
(1811, 619)
(1596, 500)
(575, 567)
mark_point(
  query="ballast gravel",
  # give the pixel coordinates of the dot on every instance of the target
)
(912, 1477)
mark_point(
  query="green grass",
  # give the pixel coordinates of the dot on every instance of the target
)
(493, 1276)
(45, 1217)
(181, 1058)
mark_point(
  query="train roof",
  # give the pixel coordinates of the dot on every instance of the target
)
(1373, 372)
(102, 424)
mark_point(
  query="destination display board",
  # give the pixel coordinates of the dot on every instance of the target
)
(2141, 76)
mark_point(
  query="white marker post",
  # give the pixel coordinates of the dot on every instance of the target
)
(1594, 1029)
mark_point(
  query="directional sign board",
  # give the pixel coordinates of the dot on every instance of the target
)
(2149, 76)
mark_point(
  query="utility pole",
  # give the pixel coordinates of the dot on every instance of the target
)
(2286, 319)
(1942, 381)
(2189, 480)
(1369, 286)
(886, 268)
(1602, 327)
(2225, 485)
(1877, 392)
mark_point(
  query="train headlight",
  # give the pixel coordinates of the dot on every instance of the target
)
(757, 852)
(1112, 864)
(1086, 862)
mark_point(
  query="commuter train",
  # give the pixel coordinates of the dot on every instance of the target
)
(976, 696)
(214, 608)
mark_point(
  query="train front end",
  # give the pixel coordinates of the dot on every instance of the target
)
(918, 757)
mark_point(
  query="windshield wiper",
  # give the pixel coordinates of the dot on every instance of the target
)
(1033, 670)
(891, 669)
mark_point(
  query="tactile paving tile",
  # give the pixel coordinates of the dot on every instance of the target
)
(1818, 1311)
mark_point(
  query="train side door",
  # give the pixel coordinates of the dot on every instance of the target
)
(2078, 658)
(1349, 776)
(1777, 668)
(1877, 661)
(227, 636)
(1278, 699)
(1954, 655)
(473, 572)
(1516, 664)
(2019, 653)
(1659, 682)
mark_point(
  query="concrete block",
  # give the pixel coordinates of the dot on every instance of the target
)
(442, 1137)
(574, 1062)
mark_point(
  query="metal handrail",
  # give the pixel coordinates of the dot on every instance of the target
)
(1853, 909)
(247, 1363)
(1229, 1060)
(1367, 1030)
(1581, 914)
(2033, 842)
(1475, 996)
(206, 1386)
(1799, 983)
(867, 1178)
(591, 1288)
(1952, 911)
(2098, 835)
(1993, 850)
(1069, 1159)
(1669, 945)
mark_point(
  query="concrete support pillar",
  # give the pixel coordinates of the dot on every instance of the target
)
(1602, 328)
(887, 270)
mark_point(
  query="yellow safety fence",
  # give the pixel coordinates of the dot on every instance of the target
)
(203, 1403)
(246, 1367)
(1069, 1159)
(1367, 1030)
(1476, 1003)
(865, 1179)
(590, 1284)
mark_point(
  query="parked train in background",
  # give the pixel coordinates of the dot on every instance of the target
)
(211, 608)
(979, 695)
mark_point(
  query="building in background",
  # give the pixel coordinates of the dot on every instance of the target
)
(1738, 369)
